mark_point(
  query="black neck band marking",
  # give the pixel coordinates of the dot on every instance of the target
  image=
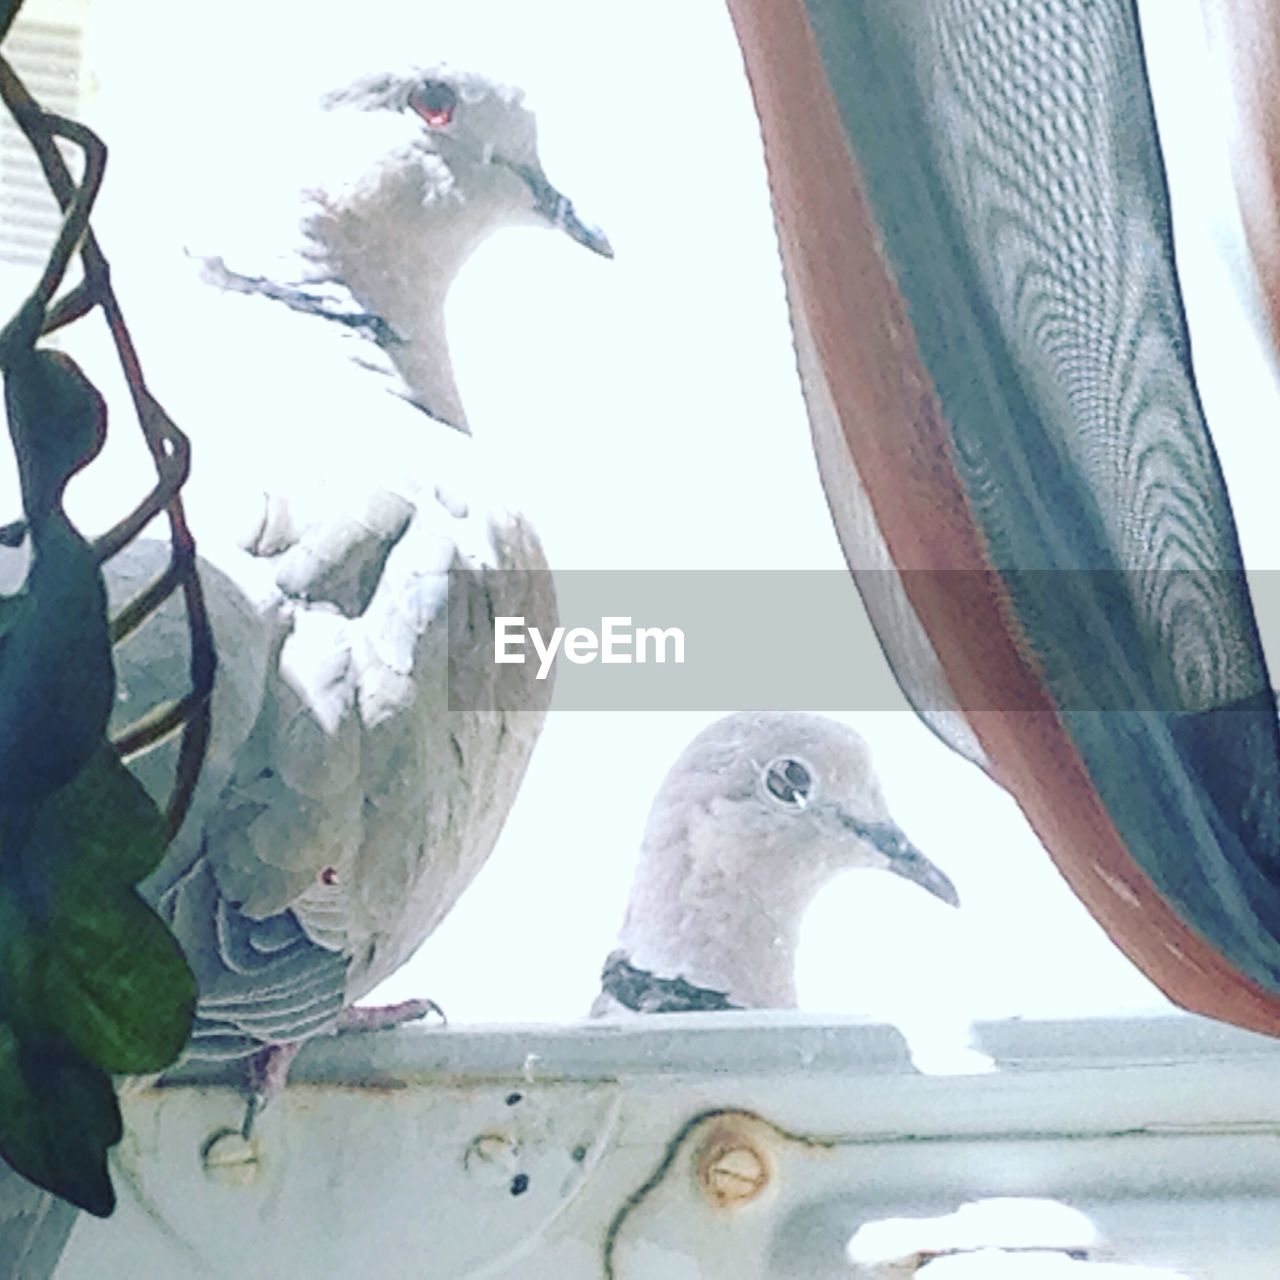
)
(645, 992)
(366, 323)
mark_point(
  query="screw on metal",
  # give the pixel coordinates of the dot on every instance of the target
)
(233, 1160)
(730, 1169)
(491, 1158)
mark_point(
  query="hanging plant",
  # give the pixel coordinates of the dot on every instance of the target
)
(91, 980)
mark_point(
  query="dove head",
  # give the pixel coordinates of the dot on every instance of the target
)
(485, 135)
(419, 169)
(760, 811)
(791, 794)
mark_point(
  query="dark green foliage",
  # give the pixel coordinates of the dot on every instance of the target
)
(91, 981)
(56, 678)
(94, 965)
(60, 1118)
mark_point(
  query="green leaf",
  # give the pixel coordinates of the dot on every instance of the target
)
(115, 983)
(102, 828)
(58, 1119)
(57, 419)
(91, 981)
(57, 683)
(84, 958)
(10, 613)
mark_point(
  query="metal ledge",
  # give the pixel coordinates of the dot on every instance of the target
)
(695, 1145)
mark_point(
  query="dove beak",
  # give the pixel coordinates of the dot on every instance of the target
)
(590, 237)
(903, 858)
(558, 209)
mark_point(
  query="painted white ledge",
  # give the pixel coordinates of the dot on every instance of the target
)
(725, 1145)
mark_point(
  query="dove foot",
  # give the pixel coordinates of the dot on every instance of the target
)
(383, 1016)
(268, 1070)
(267, 1076)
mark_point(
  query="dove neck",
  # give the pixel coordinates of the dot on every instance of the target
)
(749, 957)
(418, 344)
(713, 926)
(421, 358)
(399, 250)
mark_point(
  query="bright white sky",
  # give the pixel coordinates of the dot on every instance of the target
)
(651, 408)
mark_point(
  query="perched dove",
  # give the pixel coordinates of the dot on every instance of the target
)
(346, 801)
(366, 748)
(760, 811)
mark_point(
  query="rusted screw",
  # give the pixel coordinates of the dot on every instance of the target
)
(491, 1158)
(730, 1170)
(231, 1159)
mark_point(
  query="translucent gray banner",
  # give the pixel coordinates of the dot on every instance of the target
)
(717, 640)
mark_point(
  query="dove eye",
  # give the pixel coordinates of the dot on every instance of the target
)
(435, 102)
(789, 782)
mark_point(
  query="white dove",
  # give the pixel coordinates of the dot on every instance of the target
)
(366, 748)
(760, 811)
